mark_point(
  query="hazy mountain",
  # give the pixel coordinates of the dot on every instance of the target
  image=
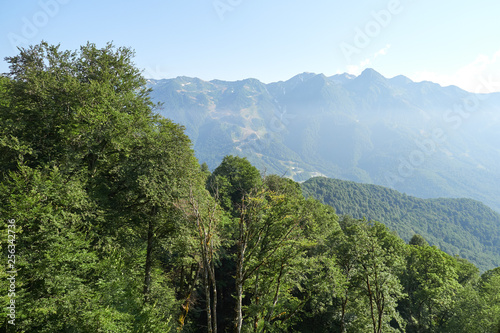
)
(416, 137)
(463, 227)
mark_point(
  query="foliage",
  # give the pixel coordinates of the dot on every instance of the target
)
(232, 180)
(119, 229)
(461, 227)
(86, 165)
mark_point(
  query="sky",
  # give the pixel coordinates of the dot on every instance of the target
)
(447, 42)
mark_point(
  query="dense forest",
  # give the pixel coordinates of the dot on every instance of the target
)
(463, 227)
(119, 229)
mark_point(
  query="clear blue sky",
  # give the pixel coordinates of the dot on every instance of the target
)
(449, 42)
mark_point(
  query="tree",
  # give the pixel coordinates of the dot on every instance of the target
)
(370, 258)
(206, 216)
(490, 311)
(268, 226)
(273, 230)
(74, 108)
(83, 120)
(284, 287)
(430, 280)
(62, 280)
(234, 178)
(418, 240)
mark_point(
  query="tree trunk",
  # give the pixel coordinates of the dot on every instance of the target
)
(374, 322)
(208, 300)
(276, 295)
(242, 242)
(342, 316)
(256, 301)
(205, 234)
(185, 306)
(214, 296)
(239, 290)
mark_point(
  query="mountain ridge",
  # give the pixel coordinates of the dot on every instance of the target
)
(335, 77)
(366, 128)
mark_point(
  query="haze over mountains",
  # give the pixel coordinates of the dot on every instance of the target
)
(419, 138)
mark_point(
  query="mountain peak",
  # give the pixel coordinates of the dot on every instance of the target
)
(342, 78)
(400, 80)
(303, 76)
(371, 73)
(369, 77)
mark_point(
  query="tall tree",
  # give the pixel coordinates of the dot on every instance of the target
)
(490, 311)
(431, 281)
(277, 230)
(85, 117)
(206, 217)
(234, 178)
(371, 258)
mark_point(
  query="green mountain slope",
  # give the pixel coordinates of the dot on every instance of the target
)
(461, 227)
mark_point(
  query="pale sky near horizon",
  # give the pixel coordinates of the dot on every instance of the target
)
(448, 42)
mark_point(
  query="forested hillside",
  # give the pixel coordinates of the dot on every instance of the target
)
(110, 224)
(462, 227)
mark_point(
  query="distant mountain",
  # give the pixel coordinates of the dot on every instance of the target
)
(461, 227)
(416, 137)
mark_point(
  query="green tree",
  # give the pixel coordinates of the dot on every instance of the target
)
(206, 219)
(267, 228)
(489, 317)
(431, 281)
(418, 240)
(83, 121)
(74, 108)
(234, 178)
(298, 269)
(380, 260)
(63, 283)
(369, 258)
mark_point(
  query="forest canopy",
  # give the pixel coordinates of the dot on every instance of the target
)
(119, 229)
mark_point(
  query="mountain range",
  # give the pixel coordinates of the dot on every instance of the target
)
(419, 138)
